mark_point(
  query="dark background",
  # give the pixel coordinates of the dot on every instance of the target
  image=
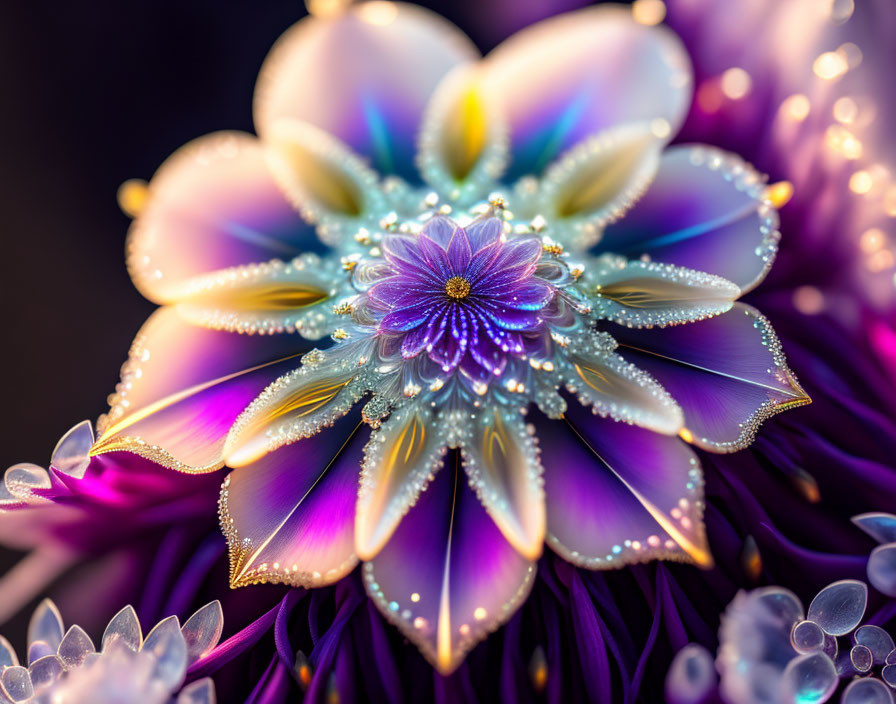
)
(94, 93)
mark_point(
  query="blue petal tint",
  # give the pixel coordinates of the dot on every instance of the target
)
(880, 526)
(882, 569)
(839, 607)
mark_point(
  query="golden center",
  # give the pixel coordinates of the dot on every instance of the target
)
(457, 287)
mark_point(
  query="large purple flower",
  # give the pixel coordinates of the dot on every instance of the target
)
(464, 296)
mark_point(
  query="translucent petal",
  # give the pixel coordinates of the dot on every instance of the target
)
(596, 181)
(168, 646)
(198, 692)
(705, 210)
(71, 455)
(324, 179)
(877, 640)
(294, 406)
(202, 631)
(880, 526)
(45, 671)
(807, 637)
(643, 294)
(21, 480)
(447, 577)
(808, 679)
(75, 647)
(289, 517)
(861, 658)
(183, 386)
(728, 373)
(463, 141)
(618, 494)
(398, 462)
(502, 462)
(125, 628)
(573, 75)
(356, 95)
(839, 607)
(882, 569)
(38, 649)
(212, 205)
(891, 657)
(16, 683)
(866, 690)
(692, 675)
(8, 656)
(616, 388)
(46, 625)
(889, 675)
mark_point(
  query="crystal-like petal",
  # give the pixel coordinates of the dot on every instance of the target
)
(463, 140)
(124, 628)
(839, 607)
(808, 679)
(861, 658)
(728, 374)
(198, 692)
(880, 526)
(882, 568)
(46, 625)
(692, 675)
(866, 690)
(294, 406)
(72, 453)
(166, 643)
(365, 76)
(17, 684)
(398, 461)
(45, 671)
(705, 210)
(75, 647)
(616, 388)
(21, 480)
(8, 656)
(202, 631)
(502, 462)
(618, 494)
(877, 640)
(212, 205)
(638, 293)
(289, 517)
(807, 637)
(571, 76)
(448, 577)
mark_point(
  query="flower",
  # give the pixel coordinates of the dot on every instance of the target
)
(64, 666)
(583, 264)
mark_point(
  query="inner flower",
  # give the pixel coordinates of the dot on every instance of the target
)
(491, 272)
(457, 287)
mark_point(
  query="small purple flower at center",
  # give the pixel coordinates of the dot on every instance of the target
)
(468, 297)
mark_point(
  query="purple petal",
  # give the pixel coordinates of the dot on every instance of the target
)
(484, 232)
(533, 295)
(459, 251)
(406, 318)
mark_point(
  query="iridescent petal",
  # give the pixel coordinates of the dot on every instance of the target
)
(398, 462)
(866, 690)
(502, 462)
(447, 577)
(882, 569)
(294, 406)
(340, 74)
(839, 607)
(643, 294)
(45, 671)
(705, 210)
(880, 526)
(198, 692)
(167, 644)
(212, 205)
(21, 480)
(463, 146)
(72, 453)
(74, 647)
(808, 679)
(8, 656)
(16, 682)
(573, 75)
(877, 640)
(289, 516)
(202, 631)
(46, 625)
(619, 494)
(123, 628)
(728, 374)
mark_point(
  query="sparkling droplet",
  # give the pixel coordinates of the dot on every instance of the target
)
(808, 679)
(807, 637)
(866, 690)
(839, 607)
(882, 569)
(691, 676)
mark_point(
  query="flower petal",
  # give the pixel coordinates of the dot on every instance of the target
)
(289, 516)
(705, 210)
(463, 141)
(618, 494)
(72, 453)
(365, 76)
(501, 460)
(398, 462)
(643, 294)
(124, 628)
(202, 631)
(727, 373)
(46, 625)
(576, 74)
(212, 205)
(448, 577)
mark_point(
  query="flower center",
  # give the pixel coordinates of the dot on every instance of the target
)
(457, 287)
